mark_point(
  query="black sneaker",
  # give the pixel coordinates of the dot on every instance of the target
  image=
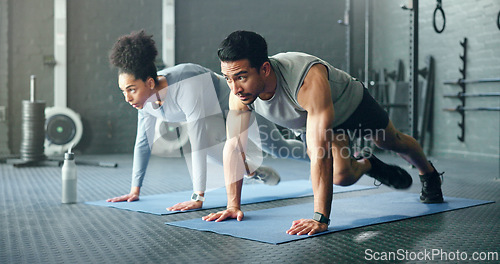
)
(390, 175)
(431, 187)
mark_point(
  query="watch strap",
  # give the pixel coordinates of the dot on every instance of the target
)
(196, 197)
(321, 218)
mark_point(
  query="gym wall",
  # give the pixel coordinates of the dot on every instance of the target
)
(29, 26)
(94, 25)
(4, 64)
(475, 20)
(309, 26)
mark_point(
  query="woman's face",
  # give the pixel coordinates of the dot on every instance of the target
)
(135, 91)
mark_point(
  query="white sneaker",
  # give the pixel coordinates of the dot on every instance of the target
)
(266, 175)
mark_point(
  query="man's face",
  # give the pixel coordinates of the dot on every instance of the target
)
(245, 82)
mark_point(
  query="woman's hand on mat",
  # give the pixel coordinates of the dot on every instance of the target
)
(187, 205)
(132, 196)
(127, 197)
(223, 215)
(306, 226)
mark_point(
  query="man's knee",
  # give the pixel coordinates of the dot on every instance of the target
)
(344, 177)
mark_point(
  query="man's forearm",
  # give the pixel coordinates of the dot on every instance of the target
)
(234, 168)
(322, 183)
(321, 171)
(234, 194)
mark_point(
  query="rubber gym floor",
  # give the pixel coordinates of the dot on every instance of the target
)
(36, 228)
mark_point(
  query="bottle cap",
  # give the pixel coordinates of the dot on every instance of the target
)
(69, 156)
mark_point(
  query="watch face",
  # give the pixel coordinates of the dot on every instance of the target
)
(197, 197)
(321, 218)
(317, 217)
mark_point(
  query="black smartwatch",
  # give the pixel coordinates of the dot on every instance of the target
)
(321, 218)
(196, 197)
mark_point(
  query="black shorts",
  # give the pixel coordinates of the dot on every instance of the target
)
(368, 118)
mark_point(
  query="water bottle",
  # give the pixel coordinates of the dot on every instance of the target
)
(69, 178)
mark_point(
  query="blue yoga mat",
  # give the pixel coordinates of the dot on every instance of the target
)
(270, 225)
(252, 193)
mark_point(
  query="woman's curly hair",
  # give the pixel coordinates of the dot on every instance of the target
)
(135, 54)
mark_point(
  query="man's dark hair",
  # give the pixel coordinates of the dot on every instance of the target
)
(241, 45)
(135, 54)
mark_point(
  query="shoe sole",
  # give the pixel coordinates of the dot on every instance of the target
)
(432, 201)
(438, 199)
(402, 174)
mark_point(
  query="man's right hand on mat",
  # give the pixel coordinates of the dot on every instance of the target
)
(187, 205)
(127, 197)
(223, 215)
(306, 226)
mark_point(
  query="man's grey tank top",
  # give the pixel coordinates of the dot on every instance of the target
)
(291, 68)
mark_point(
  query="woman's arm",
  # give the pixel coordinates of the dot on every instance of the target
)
(142, 152)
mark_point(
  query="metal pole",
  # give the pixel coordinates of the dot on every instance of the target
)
(347, 34)
(462, 109)
(345, 22)
(60, 53)
(413, 89)
(461, 94)
(32, 88)
(168, 30)
(367, 40)
(460, 81)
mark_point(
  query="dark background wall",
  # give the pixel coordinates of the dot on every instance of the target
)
(29, 28)
(4, 73)
(94, 25)
(309, 26)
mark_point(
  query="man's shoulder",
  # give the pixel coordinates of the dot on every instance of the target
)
(293, 62)
(292, 55)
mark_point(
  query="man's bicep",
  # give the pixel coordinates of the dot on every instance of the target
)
(315, 98)
(319, 106)
(315, 94)
(319, 127)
